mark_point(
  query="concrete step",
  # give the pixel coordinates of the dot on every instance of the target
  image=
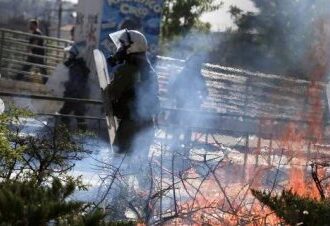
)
(22, 86)
(30, 88)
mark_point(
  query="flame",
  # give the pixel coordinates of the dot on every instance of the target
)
(225, 204)
(319, 59)
(301, 184)
(294, 138)
(315, 128)
(232, 203)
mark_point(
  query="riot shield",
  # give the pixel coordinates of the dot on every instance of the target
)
(104, 80)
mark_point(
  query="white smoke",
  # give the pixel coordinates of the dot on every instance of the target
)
(59, 77)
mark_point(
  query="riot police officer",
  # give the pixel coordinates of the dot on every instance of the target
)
(133, 92)
(75, 87)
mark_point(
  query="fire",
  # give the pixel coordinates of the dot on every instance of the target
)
(300, 180)
(319, 59)
(217, 203)
(315, 116)
(228, 201)
(301, 184)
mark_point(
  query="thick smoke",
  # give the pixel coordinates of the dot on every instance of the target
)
(308, 20)
(177, 120)
(182, 83)
(192, 43)
(137, 167)
(276, 39)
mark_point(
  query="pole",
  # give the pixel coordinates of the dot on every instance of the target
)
(59, 25)
(2, 40)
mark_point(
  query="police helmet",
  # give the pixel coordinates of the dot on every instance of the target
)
(131, 41)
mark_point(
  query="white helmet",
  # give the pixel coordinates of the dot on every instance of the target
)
(131, 40)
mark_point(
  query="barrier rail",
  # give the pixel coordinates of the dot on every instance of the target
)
(14, 54)
(233, 92)
(206, 115)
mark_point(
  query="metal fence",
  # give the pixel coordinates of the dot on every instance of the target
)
(253, 109)
(236, 97)
(14, 53)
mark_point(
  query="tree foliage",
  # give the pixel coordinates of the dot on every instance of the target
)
(296, 210)
(38, 154)
(25, 203)
(35, 184)
(179, 17)
(275, 39)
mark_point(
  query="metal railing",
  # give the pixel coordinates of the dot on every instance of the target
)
(251, 94)
(14, 54)
(234, 93)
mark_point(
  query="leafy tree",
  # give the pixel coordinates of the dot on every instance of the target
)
(302, 210)
(275, 39)
(26, 203)
(34, 165)
(296, 210)
(182, 31)
(35, 187)
(9, 152)
(179, 17)
(40, 154)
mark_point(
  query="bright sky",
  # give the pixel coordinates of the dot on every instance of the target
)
(220, 19)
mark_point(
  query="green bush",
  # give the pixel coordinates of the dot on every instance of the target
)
(296, 210)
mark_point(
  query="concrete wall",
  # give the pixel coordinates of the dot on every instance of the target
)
(34, 105)
(87, 31)
(87, 28)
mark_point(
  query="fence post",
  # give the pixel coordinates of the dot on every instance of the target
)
(247, 137)
(246, 152)
(270, 151)
(1, 47)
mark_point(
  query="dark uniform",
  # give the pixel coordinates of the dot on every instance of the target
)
(76, 87)
(134, 97)
(36, 51)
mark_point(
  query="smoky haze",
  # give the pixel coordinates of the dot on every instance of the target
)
(192, 90)
(274, 39)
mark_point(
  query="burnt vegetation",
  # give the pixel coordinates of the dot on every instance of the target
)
(278, 174)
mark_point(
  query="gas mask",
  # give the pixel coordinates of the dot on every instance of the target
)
(127, 42)
(123, 42)
(118, 57)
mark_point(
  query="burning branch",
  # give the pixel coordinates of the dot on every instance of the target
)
(316, 177)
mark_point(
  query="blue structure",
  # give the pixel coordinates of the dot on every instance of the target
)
(144, 16)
